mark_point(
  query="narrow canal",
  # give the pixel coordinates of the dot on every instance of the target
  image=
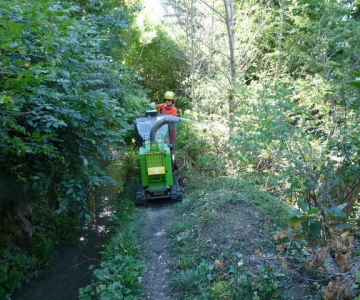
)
(71, 270)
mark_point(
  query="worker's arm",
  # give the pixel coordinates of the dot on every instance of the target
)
(159, 106)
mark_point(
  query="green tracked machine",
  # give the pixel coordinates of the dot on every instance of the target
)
(157, 162)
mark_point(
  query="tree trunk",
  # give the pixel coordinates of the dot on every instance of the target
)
(282, 20)
(229, 10)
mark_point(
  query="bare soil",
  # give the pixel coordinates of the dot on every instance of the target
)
(157, 219)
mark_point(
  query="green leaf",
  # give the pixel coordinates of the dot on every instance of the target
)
(87, 216)
(344, 226)
(315, 228)
(294, 220)
(314, 211)
(305, 226)
(69, 191)
(39, 16)
(336, 212)
(296, 213)
(354, 83)
(302, 205)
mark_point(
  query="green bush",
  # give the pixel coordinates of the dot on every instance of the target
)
(119, 275)
(15, 268)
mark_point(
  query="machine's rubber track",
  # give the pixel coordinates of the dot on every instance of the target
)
(141, 198)
(176, 191)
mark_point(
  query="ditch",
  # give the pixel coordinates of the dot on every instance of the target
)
(70, 272)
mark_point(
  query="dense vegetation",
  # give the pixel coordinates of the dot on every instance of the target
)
(273, 85)
(293, 113)
(66, 102)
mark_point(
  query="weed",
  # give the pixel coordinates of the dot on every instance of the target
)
(264, 284)
(119, 275)
(189, 282)
(215, 258)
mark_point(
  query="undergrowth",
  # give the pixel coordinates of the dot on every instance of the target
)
(119, 275)
(15, 268)
(220, 257)
(22, 260)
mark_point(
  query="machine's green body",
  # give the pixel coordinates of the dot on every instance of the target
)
(156, 166)
(158, 175)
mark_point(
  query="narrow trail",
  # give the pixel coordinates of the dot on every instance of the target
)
(157, 220)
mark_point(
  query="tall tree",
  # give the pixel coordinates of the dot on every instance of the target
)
(227, 52)
(159, 61)
(229, 19)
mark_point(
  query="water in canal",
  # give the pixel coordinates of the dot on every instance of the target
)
(71, 270)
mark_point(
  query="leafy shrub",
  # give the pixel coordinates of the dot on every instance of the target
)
(204, 139)
(15, 268)
(119, 274)
(297, 145)
(66, 102)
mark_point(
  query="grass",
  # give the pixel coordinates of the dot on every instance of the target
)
(223, 242)
(119, 275)
(222, 245)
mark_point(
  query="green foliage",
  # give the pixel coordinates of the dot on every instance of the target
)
(309, 219)
(64, 97)
(204, 140)
(260, 284)
(296, 126)
(159, 62)
(357, 280)
(293, 140)
(119, 274)
(15, 268)
(51, 231)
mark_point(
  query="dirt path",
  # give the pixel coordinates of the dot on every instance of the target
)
(157, 220)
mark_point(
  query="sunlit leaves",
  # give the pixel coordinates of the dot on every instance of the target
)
(62, 91)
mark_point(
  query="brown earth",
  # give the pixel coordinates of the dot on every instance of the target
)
(157, 219)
